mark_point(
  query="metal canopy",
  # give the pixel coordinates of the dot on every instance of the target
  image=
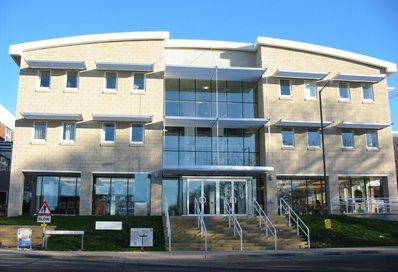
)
(362, 125)
(242, 122)
(216, 170)
(299, 74)
(291, 123)
(52, 116)
(359, 78)
(123, 118)
(55, 64)
(182, 121)
(116, 66)
(209, 73)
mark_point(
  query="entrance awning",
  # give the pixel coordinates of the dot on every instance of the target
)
(227, 170)
(295, 123)
(56, 64)
(359, 78)
(299, 74)
(362, 125)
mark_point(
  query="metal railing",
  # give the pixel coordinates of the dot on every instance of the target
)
(201, 223)
(263, 218)
(235, 222)
(168, 226)
(367, 205)
(285, 209)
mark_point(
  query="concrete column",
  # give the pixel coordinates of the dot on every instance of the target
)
(332, 192)
(86, 193)
(271, 202)
(15, 197)
(156, 193)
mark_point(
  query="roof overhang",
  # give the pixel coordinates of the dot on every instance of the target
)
(213, 73)
(51, 172)
(216, 170)
(117, 66)
(359, 78)
(182, 121)
(293, 123)
(52, 116)
(242, 122)
(123, 118)
(362, 125)
(299, 74)
(56, 64)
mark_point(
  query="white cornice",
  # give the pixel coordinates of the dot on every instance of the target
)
(208, 44)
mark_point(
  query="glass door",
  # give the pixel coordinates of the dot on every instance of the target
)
(194, 191)
(209, 202)
(239, 200)
(225, 194)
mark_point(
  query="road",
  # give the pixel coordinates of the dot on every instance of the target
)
(352, 263)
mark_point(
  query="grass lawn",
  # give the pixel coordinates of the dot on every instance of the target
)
(111, 240)
(350, 231)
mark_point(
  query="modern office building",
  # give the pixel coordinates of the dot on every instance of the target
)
(7, 124)
(118, 123)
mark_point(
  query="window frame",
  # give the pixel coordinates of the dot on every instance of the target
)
(305, 90)
(39, 75)
(294, 140)
(62, 132)
(77, 80)
(105, 82)
(377, 139)
(372, 93)
(103, 141)
(8, 135)
(34, 130)
(349, 91)
(131, 134)
(353, 138)
(308, 138)
(132, 80)
(290, 88)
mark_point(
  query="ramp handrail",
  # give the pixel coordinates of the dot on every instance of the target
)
(292, 215)
(269, 227)
(201, 222)
(232, 217)
(168, 226)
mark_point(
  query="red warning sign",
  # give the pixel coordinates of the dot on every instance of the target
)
(44, 209)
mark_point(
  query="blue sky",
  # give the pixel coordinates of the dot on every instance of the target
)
(362, 26)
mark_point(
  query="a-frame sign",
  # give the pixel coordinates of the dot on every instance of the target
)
(44, 213)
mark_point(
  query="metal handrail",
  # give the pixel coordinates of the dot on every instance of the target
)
(367, 205)
(201, 222)
(168, 226)
(292, 215)
(269, 227)
(232, 217)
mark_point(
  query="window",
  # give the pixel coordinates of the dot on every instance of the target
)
(44, 79)
(108, 132)
(111, 81)
(367, 92)
(344, 91)
(40, 131)
(72, 78)
(8, 135)
(137, 134)
(371, 139)
(69, 132)
(348, 138)
(287, 137)
(138, 81)
(285, 87)
(313, 138)
(310, 89)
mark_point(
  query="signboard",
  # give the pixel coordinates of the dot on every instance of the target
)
(141, 237)
(108, 225)
(24, 238)
(44, 213)
(43, 219)
(328, 224)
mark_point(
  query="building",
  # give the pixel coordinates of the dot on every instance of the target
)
(7, 125)
(395, 140)
(119, 123)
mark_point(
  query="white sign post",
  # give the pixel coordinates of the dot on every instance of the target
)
(141, 237)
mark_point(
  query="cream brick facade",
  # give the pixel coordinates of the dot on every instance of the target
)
(87, 156)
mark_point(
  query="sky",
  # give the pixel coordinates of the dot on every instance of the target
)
(368, 27)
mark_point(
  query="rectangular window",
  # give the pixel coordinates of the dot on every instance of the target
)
(69, 132)
(310, 89)
(344, 91)
(348, 138)
(138, 81)
(371, 139)
(108, 132)
(285, 87)
(287, 137)
(111, 81)
(367, 92)
(137, 134)
(44, 79)
(40, 131)
(8, 135)
(72, 78)
(313, 138)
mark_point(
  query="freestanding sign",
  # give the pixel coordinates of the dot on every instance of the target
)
(140, 237)
(44, 213)
(24, 238)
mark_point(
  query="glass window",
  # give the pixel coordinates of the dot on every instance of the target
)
(111, 80)
(172, 194)
(310, 89)
(313, 138)
(187, 140)
(203, 139)
(172, 108)
(235, 140)
(102, 196)
(138, 81)
(171, 138)
(118, 196)
(8, 135)
(249, 110)
(137, 133)
(204, 109)
(172, 89)
(203, 90)
(367, 92)
(69, 195)
(249, 90)
(344, 91)
(371, 139)
(45, 79)
(69, 131)
(222, 91)
(348, 138)
(187, 89)
(187, 108)
(40, 131)
(71, 79)
(287, 137)
(108, 132)
(234, 92)
(234, 110)
(285, 87)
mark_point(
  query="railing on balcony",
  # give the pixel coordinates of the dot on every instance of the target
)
(367, 205)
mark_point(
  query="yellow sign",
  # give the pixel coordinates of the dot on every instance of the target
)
(328, 223)
(43, 225)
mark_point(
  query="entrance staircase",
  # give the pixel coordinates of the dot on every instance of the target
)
(186, 235)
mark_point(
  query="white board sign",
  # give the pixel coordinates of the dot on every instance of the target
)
(108, 225)
(141, 237)
(43, 219)
(24, 238)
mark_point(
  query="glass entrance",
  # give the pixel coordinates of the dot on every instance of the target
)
(213, 194)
